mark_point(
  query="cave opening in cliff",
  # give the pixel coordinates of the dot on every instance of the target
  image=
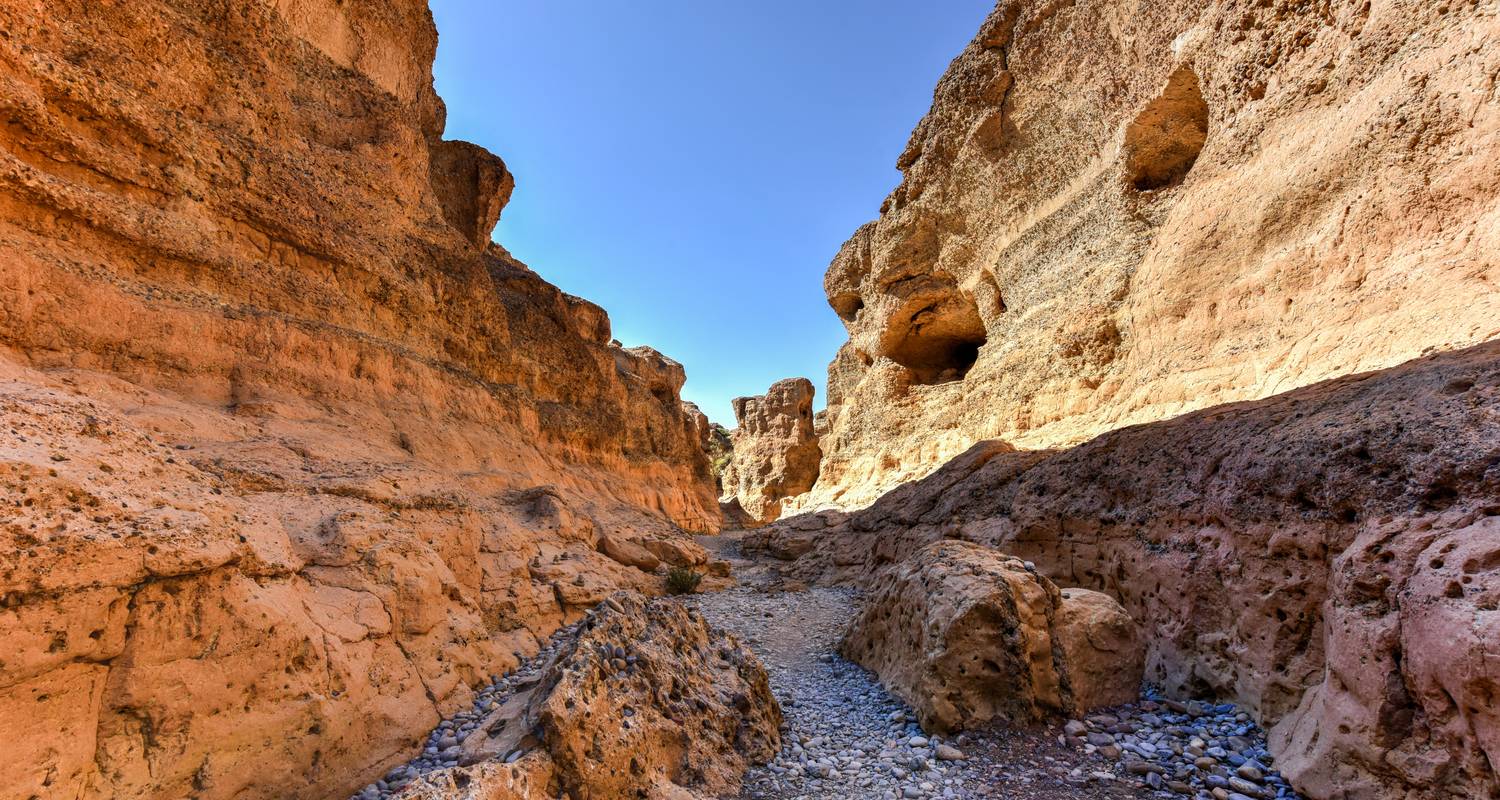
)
(1163, 142)
(848, 306)
(941, 340)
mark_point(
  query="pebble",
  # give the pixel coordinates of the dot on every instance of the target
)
(443, 747)
(947, 752)
(1190, 748)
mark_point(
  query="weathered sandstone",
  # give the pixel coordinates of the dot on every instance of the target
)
(1327, 558)
(294, 456)
(1117, 212)
(775, 449)
(647, 702)
(968, 635)
(1101, 648)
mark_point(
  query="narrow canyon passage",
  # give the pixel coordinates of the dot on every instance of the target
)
(847, 737)
(1157, 453)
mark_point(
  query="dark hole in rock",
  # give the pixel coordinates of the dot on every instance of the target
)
(1162, 143)
(941, 339)
(847, 306)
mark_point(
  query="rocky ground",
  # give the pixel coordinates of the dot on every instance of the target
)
(846, 737)
(442, 749)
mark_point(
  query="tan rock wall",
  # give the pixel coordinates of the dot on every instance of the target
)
(295, 456)
(1115, 213)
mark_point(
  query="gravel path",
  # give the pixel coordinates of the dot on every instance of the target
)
(846, 737)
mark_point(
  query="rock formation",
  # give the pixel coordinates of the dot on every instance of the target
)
(775, 449)
(647, 702)
(294, 456)
(1116, 213)
(1101, 648)
(1326, 558)
(968, 636)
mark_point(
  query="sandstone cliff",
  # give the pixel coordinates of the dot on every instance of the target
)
(775, 449)
(1118, 212)
(295, 457)
(1326, 558)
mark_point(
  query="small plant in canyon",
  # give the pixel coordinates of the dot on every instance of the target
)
(683, 580)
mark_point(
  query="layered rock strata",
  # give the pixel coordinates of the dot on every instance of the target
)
(969, 636)
(646, 701)
(775, 451)
(295, 457)
(1328, 558)
(1116, 213)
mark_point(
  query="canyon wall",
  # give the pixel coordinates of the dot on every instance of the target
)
(294, 455)
(1118, 212)
(1328, 558)
(1194, 305)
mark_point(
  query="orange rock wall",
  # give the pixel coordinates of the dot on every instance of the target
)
(294, 455)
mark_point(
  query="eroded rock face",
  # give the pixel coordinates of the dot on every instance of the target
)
(1113, 214)
(1326, 558)
(776, 450)
(648, 702)
(968, 635)
(295, 456)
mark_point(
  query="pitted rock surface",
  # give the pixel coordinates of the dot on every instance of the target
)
(969, 636)
(641, 699)
(1325, 559)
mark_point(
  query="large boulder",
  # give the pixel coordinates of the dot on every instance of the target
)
(1102, 647)
(647, 701)
(629, 552)
(776, 450)
(968, 635)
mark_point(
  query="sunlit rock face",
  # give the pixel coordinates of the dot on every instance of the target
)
(294, 455)
(1116, 213)
(775, 450)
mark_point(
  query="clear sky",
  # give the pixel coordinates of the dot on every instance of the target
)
(693, 165)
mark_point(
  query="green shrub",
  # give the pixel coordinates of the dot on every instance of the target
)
(682, 580)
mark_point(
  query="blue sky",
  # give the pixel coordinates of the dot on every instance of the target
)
(694, 166)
